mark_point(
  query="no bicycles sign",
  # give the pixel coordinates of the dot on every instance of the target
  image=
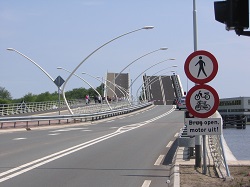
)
(202, 101)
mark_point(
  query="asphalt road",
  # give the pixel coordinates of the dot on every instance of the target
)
(130, 150)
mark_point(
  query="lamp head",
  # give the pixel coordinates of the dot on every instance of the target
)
(172, 59)
(148, 27)
(174, 66)
(59, 68)
(10, 49)
(163, 48)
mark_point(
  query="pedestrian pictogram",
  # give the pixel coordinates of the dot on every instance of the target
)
(201, 64)
(202, 101)
(201, 67)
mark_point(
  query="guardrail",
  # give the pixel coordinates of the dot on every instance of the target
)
(86, 116)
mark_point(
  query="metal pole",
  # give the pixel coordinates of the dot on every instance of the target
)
(59, 100)
(197, 138)
(204, 155)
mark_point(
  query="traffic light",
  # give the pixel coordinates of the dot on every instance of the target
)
(233, 13)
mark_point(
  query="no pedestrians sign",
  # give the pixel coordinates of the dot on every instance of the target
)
(201, 67)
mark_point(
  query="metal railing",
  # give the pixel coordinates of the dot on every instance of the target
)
(78, 106)
(91, 113)
(218, 152)
(21, 108)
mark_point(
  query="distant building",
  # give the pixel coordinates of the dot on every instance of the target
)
(235, 111)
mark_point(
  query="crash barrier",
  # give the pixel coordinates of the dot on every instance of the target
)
(75, 117)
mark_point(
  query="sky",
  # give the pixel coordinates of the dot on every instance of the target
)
(63, 33)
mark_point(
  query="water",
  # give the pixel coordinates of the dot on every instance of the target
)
(238, 140)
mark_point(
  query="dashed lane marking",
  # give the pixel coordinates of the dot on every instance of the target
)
(159, 160)
(19, 138)
(146, 183)
(169, 144)
(55, 134)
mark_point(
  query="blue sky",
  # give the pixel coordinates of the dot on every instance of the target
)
(62, 33)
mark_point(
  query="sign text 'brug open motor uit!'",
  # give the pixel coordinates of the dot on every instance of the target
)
(203, 126)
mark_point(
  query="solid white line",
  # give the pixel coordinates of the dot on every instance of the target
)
(86, 130)
(19, 138)
(159, 160)
(170, 144)
(146, 183)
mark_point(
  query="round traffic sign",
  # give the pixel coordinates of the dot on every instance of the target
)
(201, 67)
(202, 101)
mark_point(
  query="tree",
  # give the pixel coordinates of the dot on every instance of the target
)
(5, 94)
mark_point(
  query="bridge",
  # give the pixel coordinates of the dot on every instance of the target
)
(132, 144)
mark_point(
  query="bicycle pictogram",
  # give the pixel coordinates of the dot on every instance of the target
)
(202, 105)
(199, 95)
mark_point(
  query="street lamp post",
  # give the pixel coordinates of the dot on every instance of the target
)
(63, 93)
(45, 72)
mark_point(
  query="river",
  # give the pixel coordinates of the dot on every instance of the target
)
(238, 140)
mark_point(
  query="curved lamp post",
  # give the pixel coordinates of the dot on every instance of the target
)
(150, 68)
(63, 93)
(84, 81)
(46, 73)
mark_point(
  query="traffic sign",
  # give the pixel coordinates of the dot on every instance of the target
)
(201, 67)
(59, 81)
(203, 126)
(202, 101)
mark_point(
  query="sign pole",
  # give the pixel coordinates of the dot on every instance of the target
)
(197, 138)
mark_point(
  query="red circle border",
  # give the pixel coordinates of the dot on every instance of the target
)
(197, 53)
(213, 109)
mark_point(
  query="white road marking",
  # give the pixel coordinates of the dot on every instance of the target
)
(54, 134)
(67, 129)
(146, 183)
(159, 160)
(169, 144)
(114, 127)
(176, 135)
(19, 138)
(110, 121)
(86, 130)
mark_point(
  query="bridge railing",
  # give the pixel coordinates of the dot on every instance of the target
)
(78, 106)
(90, 114)
(218, 152)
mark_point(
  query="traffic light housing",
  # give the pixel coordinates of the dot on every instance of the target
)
(233, 13)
